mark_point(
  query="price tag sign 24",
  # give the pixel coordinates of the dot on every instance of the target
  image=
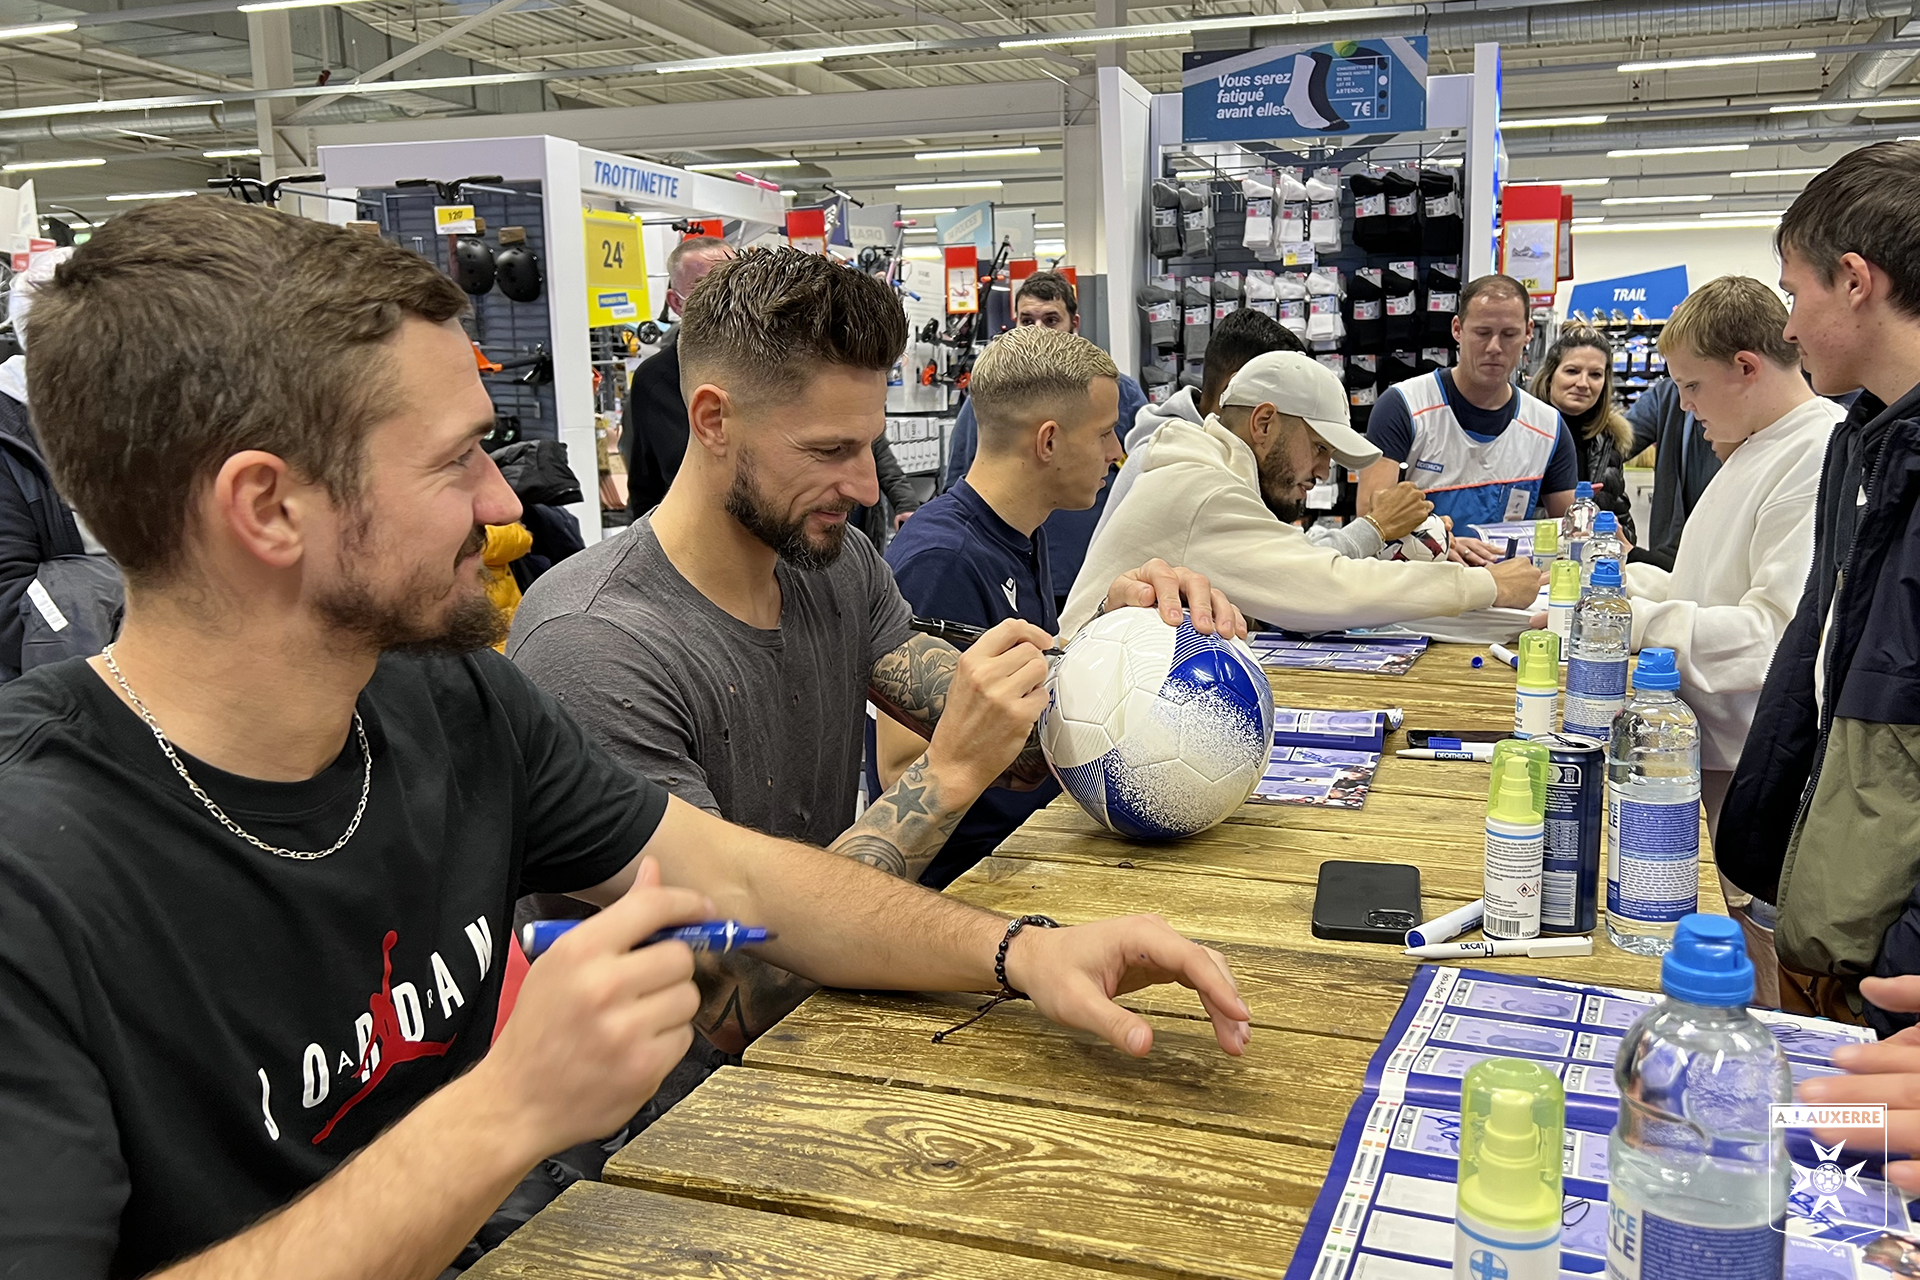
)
(616, 270)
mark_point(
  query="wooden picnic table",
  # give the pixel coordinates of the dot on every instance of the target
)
(850, 1144)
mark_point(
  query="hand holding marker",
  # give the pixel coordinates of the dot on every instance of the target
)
(715, 936)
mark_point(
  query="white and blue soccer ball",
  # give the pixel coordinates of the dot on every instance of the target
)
(1428, 541)
(1156, 731)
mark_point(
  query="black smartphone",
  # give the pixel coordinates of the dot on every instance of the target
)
(1366, 902)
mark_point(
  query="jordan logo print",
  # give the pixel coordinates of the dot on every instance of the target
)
(1011, 592)
(386, 1046)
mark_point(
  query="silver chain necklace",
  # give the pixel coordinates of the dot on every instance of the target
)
(366, 778)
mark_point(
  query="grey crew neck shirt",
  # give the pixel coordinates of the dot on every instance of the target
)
(763, 727)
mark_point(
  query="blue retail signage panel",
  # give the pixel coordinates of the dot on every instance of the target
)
(1655, 293)
(1306, 91)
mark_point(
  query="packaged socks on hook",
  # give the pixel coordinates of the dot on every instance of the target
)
(1196, 297)
(1443, 300)
(1401, 320)
(1261, 295)
(1164, 231)
(1441, 227)
(1160, 312)
(1287, 187)
(1364, 303)
(1396, 367)
(1370, 226)
(1403, 211)
(1257, 187)
(1290, 284)
(1196, 220)
(1363, 377)
(1226, 294)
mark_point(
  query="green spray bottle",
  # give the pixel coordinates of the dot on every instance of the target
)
(1507, 1218)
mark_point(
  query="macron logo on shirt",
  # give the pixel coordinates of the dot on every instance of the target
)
(1011, 592)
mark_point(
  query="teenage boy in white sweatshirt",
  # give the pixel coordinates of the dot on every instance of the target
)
(1221, 497)
(1748, 545)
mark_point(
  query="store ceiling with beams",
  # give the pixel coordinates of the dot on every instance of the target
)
(1561, 58)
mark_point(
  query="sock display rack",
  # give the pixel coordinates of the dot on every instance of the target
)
(1356, 250)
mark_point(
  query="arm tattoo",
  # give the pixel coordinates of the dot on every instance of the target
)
(740, 997)
(910, 684)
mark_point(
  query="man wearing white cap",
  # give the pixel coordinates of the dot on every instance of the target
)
(1221, 497)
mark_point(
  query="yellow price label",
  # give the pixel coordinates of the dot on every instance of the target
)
(455, 220)
(616, 270)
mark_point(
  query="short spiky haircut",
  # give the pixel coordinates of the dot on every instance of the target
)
(191, 330)
(1030, 375)
(1726, 316)
(1867, 202)
(1238, 338)
(762, 324)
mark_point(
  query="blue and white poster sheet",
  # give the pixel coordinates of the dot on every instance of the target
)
(1323, 759)
(1305, 91)
(1380, 655)
(1386, 1211)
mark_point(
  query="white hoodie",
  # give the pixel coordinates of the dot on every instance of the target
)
(1737, 578)
(1184, 406)
(1196, 502)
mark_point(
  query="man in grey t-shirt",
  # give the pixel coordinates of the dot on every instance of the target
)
(726, 646)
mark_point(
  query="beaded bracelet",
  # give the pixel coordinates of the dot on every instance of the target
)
(1014, 926)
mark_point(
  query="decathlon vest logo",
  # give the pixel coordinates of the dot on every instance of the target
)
(1477, 483)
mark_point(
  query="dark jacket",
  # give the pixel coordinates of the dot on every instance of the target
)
(653, 429)
(1823, 810)
(896, 495)
(1683, 463)
(35, 525)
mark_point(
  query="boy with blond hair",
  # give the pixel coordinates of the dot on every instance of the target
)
(1747, 547)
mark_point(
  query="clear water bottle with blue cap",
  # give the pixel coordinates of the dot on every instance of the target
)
(1576, 526)
(1698, 1174)
(1653, 810)
(1604, 543)
(1597, 653)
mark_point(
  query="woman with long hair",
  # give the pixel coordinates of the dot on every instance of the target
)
(1577, 379)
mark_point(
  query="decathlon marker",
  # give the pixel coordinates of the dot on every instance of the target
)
(1475, 947)
(1448, 926)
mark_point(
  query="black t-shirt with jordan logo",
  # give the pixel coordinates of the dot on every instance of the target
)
(192, 1030)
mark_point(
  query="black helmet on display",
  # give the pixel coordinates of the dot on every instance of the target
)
(473, 265)
(517, 266)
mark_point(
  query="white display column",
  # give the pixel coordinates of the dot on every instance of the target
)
(1105, 166)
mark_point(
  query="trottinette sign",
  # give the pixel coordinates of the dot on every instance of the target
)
(1294, 91)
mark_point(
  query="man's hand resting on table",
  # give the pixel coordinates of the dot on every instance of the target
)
(1887, 1072)
(1073, 974)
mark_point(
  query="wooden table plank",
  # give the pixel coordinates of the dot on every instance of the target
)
(1014, 1053)
(1260, 912)
(1090, 1190)
(600, 1232)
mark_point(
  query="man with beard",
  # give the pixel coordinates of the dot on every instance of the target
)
(1222, 497)
(726, 646)
(257, 860)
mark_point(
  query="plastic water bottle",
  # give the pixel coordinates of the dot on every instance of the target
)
(1653, 811)
(1597, 656)
(1604, 543)
(1577, 524)
(1698, 1176)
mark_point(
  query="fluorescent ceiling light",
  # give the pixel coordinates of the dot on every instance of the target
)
(1676, 151)
(742, 62)
(38, 29)
(1550, 122)
(1687, 199)
(1748, 213)
(1558, 182)
(1728, 60)
(264, 5)
(232, 153)
(1851, 104)
(1774, 173)
(1445, 162)
(1050, 246)
(1587, 222)
(968, 185)
(23, 166)
(1049, 226)
(1694, 224)
(982, 152)
(920, 231)
(942, 209)
(743, 164)
(152, 195)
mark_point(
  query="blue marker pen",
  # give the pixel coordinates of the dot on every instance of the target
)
(709, 935)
